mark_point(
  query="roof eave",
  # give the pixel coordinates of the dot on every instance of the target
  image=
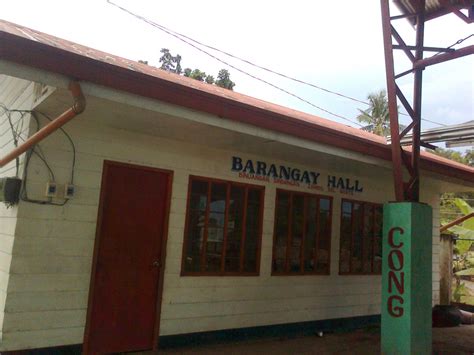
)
(82, 68)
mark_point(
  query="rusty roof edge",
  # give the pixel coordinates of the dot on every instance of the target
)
(222, 106)
(71, 47)
(22, 44)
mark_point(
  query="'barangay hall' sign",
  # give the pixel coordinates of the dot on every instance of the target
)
(287, 175)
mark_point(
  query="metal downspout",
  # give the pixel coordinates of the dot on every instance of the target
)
(77, 108)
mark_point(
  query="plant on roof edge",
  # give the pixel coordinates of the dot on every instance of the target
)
(173, 64)
(169, 62)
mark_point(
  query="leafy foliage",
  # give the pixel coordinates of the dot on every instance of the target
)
(464, 263)
(449, 209)
(223, 80)
(210, 79)
(198, 75)
(465, 230)
(376, 116)
(459, 291)
(465, 158)
(173, 64)
(465, 209)
(169, 62)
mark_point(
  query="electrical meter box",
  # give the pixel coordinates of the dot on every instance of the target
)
(10, 190)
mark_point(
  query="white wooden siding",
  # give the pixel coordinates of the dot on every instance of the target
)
(14, 94)
(52, 254)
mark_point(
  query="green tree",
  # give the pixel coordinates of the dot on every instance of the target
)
(177, 61)
(223, 80)
(449, 210)
(166, 60)
(464, 230)
(469, 157)
(173, 64)
(210, 79)
(376, 116)
(187, 72)
(169, 62)
(198, 75)
(464, 158)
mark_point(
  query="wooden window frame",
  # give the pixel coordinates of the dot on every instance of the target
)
(222, 272)
(289, 236)
(362, 203)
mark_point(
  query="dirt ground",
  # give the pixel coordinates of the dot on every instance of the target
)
(458, 340)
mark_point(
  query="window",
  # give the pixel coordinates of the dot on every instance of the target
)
(223, 228)
(361, 238)
(302, 234)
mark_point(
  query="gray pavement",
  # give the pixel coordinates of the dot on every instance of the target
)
(458, 340)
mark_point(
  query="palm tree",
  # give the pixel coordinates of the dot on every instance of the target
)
(376, 116)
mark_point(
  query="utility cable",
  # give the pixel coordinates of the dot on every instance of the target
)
(232, 66)
(34, 113)
(73, 147)
(24, 190)
(15, 141)
(180, 36)
(36, 149)
(459, 41)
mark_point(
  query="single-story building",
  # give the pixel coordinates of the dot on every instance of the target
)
(171, 207)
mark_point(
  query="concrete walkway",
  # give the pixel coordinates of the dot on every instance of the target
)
(458, 340)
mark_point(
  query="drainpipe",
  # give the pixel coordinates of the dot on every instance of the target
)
(77, 108)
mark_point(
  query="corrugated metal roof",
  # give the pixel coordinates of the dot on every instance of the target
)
(36, 49)
(453, 135)
(98, 55)
(433, 8)
(430, 5)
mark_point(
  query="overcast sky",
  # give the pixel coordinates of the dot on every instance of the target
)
(333, 44)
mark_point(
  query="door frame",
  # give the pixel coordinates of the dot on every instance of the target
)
(90, 303)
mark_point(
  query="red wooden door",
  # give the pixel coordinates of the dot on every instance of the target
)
(124, 298)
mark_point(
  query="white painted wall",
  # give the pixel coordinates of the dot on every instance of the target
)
(14, 94)
(52, 254)
(429, 195)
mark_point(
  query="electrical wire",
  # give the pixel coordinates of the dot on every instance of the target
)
(234, 67)
(73, 147)
(180, 36)
(36, 149)
(249, 62)
(18, 131)
(40, 153)
(68, 137)
(15, 142)
(24, 189)
(7, 142)
(459, 41)
(8, 169)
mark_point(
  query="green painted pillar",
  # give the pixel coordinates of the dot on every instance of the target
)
(407, 278)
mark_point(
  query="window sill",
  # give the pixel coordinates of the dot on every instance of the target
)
(359, 274)
(214, 274)
(300, 274)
